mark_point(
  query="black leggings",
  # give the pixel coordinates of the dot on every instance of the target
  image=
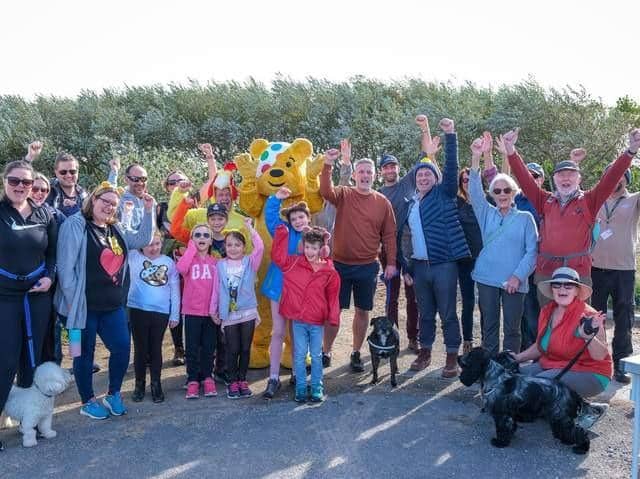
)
(147, 328)
(176, 336)
(200, 338)
(238, 339)
(14, 353)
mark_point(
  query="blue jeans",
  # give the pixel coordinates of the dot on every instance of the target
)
(436, 288)
(307, 337)
(114, 332)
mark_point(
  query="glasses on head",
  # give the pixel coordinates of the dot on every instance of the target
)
(465, 180)
(64, 172)
(113, 204)
(15, 181)
(197, 234)
(137, 179)
(38, 189)
(506, 191)
(563, 285)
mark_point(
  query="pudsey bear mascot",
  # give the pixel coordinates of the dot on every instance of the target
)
(266, 168)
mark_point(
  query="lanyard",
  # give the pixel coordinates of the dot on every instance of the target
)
(609, 213)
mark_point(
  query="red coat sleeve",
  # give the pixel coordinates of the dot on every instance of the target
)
(279, 247)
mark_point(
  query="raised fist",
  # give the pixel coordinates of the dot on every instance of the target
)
(577, 155)
(148, 201)
(487, 142)
(114, 164)
(206, 149)
(345, 151)
(330, 156)
(423, 123)
(477, 147)
(35, 148)
(446, 125)
(634, 140)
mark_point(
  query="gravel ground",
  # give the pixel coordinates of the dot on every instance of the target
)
(427, 427)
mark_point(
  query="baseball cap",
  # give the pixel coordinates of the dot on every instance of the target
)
(387, 159)
(535, 168)
(217, 209)
(566, 165)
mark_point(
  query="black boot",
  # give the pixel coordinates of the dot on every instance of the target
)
(156, 392)
(138, 391)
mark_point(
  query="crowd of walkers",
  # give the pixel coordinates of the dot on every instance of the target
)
(114, 263)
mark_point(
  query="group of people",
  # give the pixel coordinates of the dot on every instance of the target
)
(113, 263)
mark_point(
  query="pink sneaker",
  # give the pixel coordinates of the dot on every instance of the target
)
(209, 387)
(245, 392)
(193, 390)
(233, 391)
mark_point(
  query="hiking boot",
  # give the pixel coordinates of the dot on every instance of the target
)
(317, 394)
(272, 388)
(233, 390)
(451, 366)
(113, 402)
(138, 391)
(422, 361)
(193, 390)
(356, 362)
(326, 360)
(620, 376)
(222, 377)
(590, 414)
(209, 387)
(178, 357)
(245, 392)
(157, 395)
(414, 346)
(301, 396)
(94, 410)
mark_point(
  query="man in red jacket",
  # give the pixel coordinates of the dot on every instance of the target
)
(568, 215)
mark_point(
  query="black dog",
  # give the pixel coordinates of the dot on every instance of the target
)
(384, 342)
(510, 396)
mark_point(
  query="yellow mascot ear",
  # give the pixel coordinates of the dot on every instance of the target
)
(301, 149)
(257, 147)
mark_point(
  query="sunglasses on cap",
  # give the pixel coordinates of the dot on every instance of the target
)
(64, 172)
(197, 234)
(15, 181)
(506, 191)
(137, 179)
(38, 189)
(562, 285)
(535, 175)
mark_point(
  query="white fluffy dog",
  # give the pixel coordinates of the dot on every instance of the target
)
(34, 406)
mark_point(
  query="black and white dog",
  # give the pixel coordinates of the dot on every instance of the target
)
(384, 342)
(511, 397)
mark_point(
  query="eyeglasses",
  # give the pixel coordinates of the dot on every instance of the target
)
(506, 191)
(563, 285)
(64, 172)
(113, 204)
(37, 189)
(465, 180)
(15, 181)
(137, 179)
(197, 234)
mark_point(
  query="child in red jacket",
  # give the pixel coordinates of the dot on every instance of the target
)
(309, 298)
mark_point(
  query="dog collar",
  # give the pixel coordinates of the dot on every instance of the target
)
(42, 392)
(377, 346)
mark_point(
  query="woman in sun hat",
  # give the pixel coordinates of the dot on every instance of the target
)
(562, 336)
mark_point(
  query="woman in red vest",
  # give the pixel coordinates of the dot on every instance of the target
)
(562, 335)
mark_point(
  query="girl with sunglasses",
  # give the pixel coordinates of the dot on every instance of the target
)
(507, 258)
(28, 235)
(198, 270)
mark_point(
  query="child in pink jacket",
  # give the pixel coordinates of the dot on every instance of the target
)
(198, 268)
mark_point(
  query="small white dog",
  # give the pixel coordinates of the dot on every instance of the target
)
(34, 406)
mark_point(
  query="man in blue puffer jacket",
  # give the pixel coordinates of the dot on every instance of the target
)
(431, 241)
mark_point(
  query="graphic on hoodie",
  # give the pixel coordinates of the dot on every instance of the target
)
(153, 274)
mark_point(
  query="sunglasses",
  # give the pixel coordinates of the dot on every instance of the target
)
(465, 180)
(506, 191)
(113, 204)
(174, 182)
(15, 181)
(37, 189)
(64, 172)
(137, 179)
(535, 176)
(563, 285)
(197, 234)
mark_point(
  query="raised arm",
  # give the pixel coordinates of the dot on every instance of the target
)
(178, 229)
(279, 247)
(477, 197)
(258, 246)
(207, 151)
(327, 190)
(184, 263)
(536, 195)
(33, 151)
(114, 169)
(272, 209)
(450, 173)
(141, 237)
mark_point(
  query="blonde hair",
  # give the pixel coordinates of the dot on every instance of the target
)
(201, 225)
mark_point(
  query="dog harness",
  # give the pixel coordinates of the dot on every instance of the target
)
(35, 274)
